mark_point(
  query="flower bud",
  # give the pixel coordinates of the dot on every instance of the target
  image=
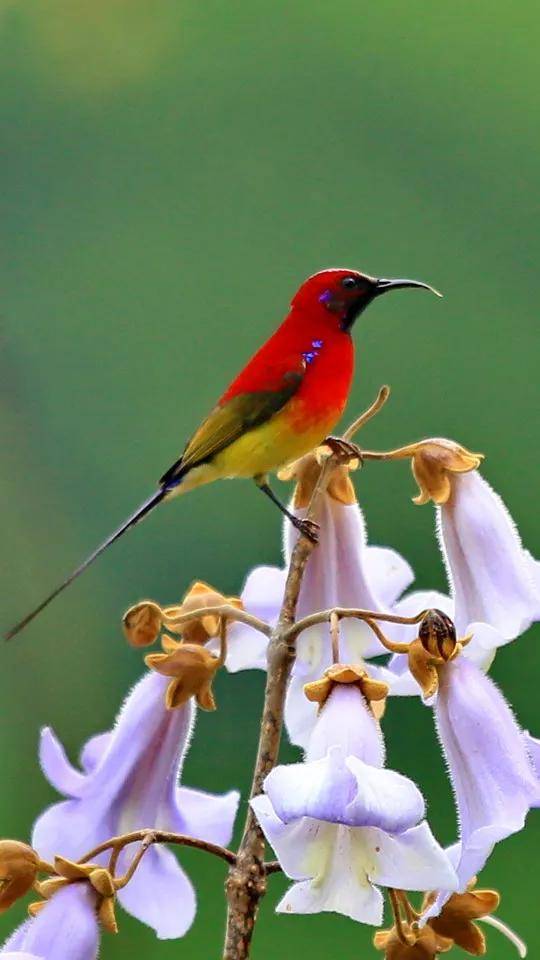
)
(19, 866)
(438, 635)
(142, 623)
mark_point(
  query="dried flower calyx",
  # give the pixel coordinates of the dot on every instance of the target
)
(306, 473)
(144, 622)
(319, 690)
(100, 879)
(456, 920)
(424, 944)
(19, 866)
(433, 463)
(192, 669)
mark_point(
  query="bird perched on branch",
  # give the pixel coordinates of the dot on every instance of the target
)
(283, 403)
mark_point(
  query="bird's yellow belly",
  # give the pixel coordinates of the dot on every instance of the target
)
(259, 451)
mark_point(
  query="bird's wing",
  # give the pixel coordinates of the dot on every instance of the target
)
(231, 418)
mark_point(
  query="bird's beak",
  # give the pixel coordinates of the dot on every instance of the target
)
(382, 286)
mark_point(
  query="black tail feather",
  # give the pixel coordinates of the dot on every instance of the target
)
(143, 510)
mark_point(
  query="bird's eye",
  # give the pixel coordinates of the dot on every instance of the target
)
(349, 282)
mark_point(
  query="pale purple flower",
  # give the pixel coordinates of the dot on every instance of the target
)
(491, 772)
(341, 824)
(65, 929)
(494, 579)
(343, 571)
(129, 781)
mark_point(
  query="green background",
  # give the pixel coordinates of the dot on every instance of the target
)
(170, 172)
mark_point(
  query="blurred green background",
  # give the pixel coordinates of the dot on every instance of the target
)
(170, 172)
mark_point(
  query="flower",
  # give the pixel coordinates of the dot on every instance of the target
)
(19, 866)
(129, 781)
(66, 929)
(494, 580)
(342, 571)
(341, 824)
(492, 776)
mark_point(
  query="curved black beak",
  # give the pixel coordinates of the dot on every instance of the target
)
(382, 286)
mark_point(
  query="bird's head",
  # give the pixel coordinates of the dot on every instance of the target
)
(344, 294)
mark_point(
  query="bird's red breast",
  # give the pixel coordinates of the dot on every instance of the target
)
(311, 342)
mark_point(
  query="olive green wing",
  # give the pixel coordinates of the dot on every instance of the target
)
(229, 421)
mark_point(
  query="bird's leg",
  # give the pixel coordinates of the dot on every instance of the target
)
(342, 449)
(308, 528)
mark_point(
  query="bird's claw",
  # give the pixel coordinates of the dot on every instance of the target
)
(308, 529)
(343, 450)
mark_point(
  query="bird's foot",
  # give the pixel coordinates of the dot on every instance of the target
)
(343, 450)
(308, 529)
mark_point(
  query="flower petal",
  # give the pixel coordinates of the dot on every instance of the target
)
(384, 798)
(66, 927)
(412, 860)
(94, 749)
(490, 572)
(205, 815)
(160, 894)
(262, 595)
(246, 648)
(346, 721)
(71, 828)
(321, 790)
(492, 776)
(389, 573)
(56, 766)
(340, 884)
(297, 844)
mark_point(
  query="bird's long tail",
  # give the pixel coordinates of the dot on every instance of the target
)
(142, 511)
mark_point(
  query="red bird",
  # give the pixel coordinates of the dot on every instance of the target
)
(285, 401)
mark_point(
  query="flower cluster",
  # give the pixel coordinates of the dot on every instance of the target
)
(346, 829)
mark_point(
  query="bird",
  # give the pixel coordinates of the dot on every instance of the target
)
(283, 403)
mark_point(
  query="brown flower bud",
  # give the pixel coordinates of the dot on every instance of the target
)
(192, 668)
(437, 635)
(19, 866)
(142, 623)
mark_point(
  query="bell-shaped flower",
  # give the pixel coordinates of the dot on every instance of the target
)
(67, 928)
(341, 824)
(342, 572)
(493, 579)
(491, 772)
(129, 781)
